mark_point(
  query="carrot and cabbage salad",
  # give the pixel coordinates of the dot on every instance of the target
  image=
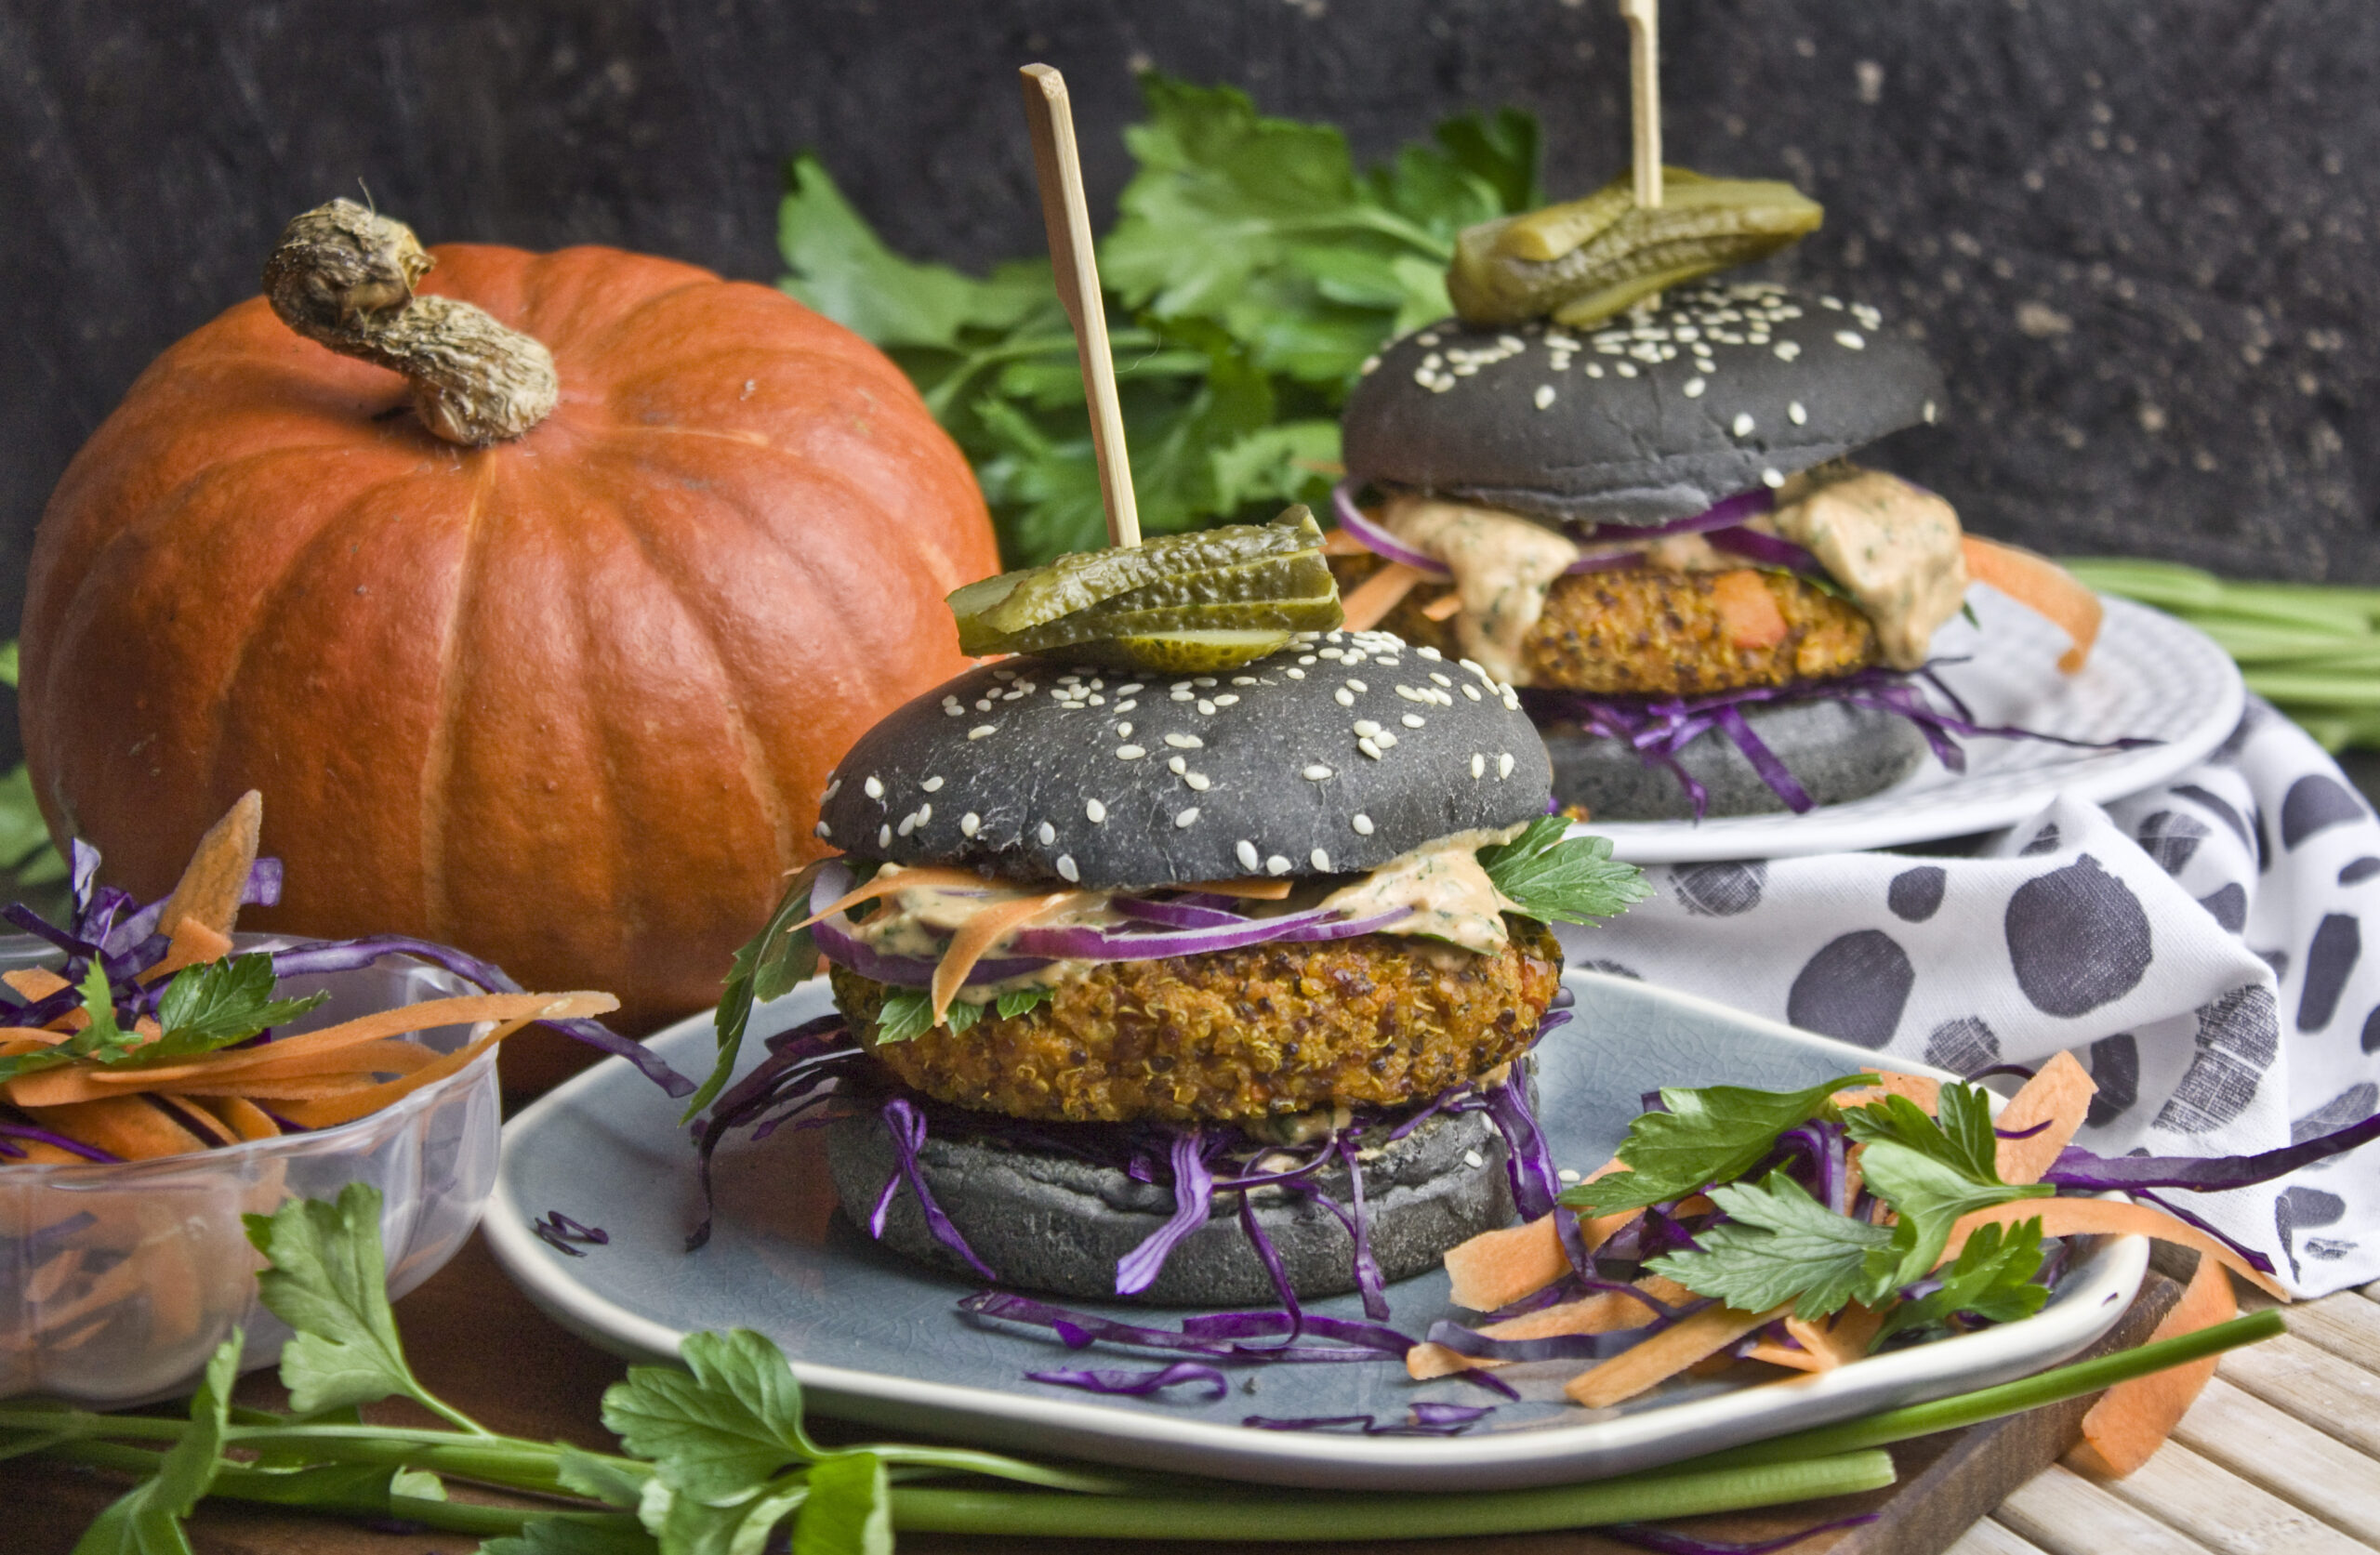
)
(1805, 1229)
(157, 1038)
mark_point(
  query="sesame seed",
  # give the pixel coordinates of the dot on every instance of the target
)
(1787, 349)
(1227, 700)
(1503, 766)
(1066, 869)
(932, 786)
(1249, 858)
(1130, 752)
(1185, 742)
(821, 829)
(1206, 680)
(1176, 764)
(1625, 369)
(1128, 690)
(1412, 721)
(1471, 692)
(1772, 479)
(969, 823)
(1437, 679)
(1246, 680)
(874, 789)
(1294, 674)
(884, 836)
(1366, 726)
(1473, 1159)
(1309, 658)
(1187, 817)
(980, 730)
(1199, 782)
(1276, 865)
(909, 823)
(1478, 765)
(955, 710)
(1344, 697)
(1369, 747)
(1363, 823)
(1742, 425)
(1567, 1175)
(1357, 686)
(1929, 411)
(1095, 813)
(1385, 740)
(1694, 388)
(1430, 653)
(925, 813)
(1543, 398)
(1123, 731)
(984, 706)
(1128, 704)
(1185, 696)
(1795, 414)
(1048, 833)
(1179, 686)
(1849, 340)
(832, 789)
(1317, 773)
(1205, 705)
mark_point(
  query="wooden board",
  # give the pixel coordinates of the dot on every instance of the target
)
(481, 1344)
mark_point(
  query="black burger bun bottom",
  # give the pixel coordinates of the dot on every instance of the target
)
(1048, 1222)
(1834, 750)
(1656, 415)
(1333, 756)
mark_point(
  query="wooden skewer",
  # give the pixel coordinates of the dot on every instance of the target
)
(1067, 216)
(1645, 87)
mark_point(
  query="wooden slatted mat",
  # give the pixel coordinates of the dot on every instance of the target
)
(2280, 1455)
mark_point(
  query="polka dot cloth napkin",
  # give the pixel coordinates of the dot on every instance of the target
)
(2199, 947)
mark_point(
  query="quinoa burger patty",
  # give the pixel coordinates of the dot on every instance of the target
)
(1270, 1030)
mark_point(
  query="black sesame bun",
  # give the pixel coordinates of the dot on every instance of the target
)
(1836, 751)
(1049, 1221)
(1334, 755)
(1656, 415)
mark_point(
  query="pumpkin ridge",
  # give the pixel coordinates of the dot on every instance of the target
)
(615, 333)
(759, 772)
(438, 758)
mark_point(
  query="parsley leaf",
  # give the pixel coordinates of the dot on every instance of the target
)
(1555, 881)
(765, 966)
(722, 1427)
(906, 1016)
(1991, 1280)
(218, 1003)
(1958, 1136)
(1016, 1001)
(103, 1039)
(329, 1283)
(1929, 1193)
(1779, 1245)
(148, 1521)
(1713, 1134)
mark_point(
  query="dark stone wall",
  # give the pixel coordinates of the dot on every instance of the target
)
(2140, 237)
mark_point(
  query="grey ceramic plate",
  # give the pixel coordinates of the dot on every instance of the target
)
(876, 1340)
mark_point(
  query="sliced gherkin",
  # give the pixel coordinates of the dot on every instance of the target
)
(1314, 613)
(1034, 595)
(1204, 652)
(1586, 260)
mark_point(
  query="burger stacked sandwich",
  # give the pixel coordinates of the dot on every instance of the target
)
(1190, 987)
(1649, 522)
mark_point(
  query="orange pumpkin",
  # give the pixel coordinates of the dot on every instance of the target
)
(566, 700)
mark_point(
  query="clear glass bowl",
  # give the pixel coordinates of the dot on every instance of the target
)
(117, 1281)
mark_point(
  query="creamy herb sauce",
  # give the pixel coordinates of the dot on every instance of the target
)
(1451, 897)
(919, 920)
(1895, 548)
(1502, 566)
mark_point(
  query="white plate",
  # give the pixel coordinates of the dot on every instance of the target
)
(876, 1339)
(2151, 677)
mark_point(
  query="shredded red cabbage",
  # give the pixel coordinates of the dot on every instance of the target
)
(2023, 1133)
(1213, 1335)
(1667, 1542)
(1660, 727)
(38, 1134)
(2077, 1167)
(563, 1234)
(1815, 1155)
(2248, 1255)
(1194, 1199)
(906, 1127)
(1138, 1384)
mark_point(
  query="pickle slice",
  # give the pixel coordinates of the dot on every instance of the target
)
(1210, 565)
(1186, 653)
(1314, 613)
(1584, 261)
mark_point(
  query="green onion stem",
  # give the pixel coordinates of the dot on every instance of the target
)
(2054, 1386)
(1300, 1517)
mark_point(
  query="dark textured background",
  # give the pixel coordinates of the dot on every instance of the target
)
(2140, 237)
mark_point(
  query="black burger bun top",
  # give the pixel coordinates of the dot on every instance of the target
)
(1333, 756)
(1656, 415)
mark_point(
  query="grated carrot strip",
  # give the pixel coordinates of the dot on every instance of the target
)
(194, 943)
(125, 1126)
(2043, 586)
(983, 931)
(2106, 1218)
(1603, 1312)
(33, 982)
(1665, 1354)
(388, 1055)
(2059, 1095)
(1372, 599)
(1446, 607)
(2132, 1419)
(217, 873)
(347, 1109)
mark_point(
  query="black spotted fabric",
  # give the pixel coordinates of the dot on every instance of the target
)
(2201, 948)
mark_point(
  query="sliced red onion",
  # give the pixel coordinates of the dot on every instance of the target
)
(1559, 1347)
(1085, 943)
(1725, 513)
(1769, 550)
(905, 972)
(1375, 537)
(1178, 913)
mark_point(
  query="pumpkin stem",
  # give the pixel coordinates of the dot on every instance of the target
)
(344, 276)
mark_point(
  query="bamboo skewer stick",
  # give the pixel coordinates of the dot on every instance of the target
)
(1645, 88)
(1068, 215)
